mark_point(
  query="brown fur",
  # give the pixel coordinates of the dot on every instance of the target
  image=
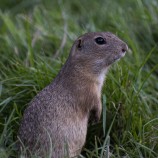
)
(58, 116)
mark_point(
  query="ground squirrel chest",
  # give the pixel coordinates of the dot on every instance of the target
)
(59, 114)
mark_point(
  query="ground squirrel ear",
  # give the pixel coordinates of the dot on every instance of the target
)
(79, 44)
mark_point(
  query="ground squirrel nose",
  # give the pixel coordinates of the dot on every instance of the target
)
(124, 48)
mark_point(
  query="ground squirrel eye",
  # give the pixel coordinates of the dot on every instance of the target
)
(100, 40)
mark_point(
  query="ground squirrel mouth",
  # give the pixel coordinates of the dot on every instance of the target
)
(122, 54)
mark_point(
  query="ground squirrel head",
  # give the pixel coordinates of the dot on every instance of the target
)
(97, 50)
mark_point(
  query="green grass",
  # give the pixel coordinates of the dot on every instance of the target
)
(35, 39)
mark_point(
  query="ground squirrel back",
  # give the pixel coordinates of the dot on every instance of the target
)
(55, 122)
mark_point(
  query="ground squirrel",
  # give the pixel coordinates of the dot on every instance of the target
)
(55, 122)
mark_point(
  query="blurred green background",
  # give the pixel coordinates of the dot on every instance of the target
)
(35, 40)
